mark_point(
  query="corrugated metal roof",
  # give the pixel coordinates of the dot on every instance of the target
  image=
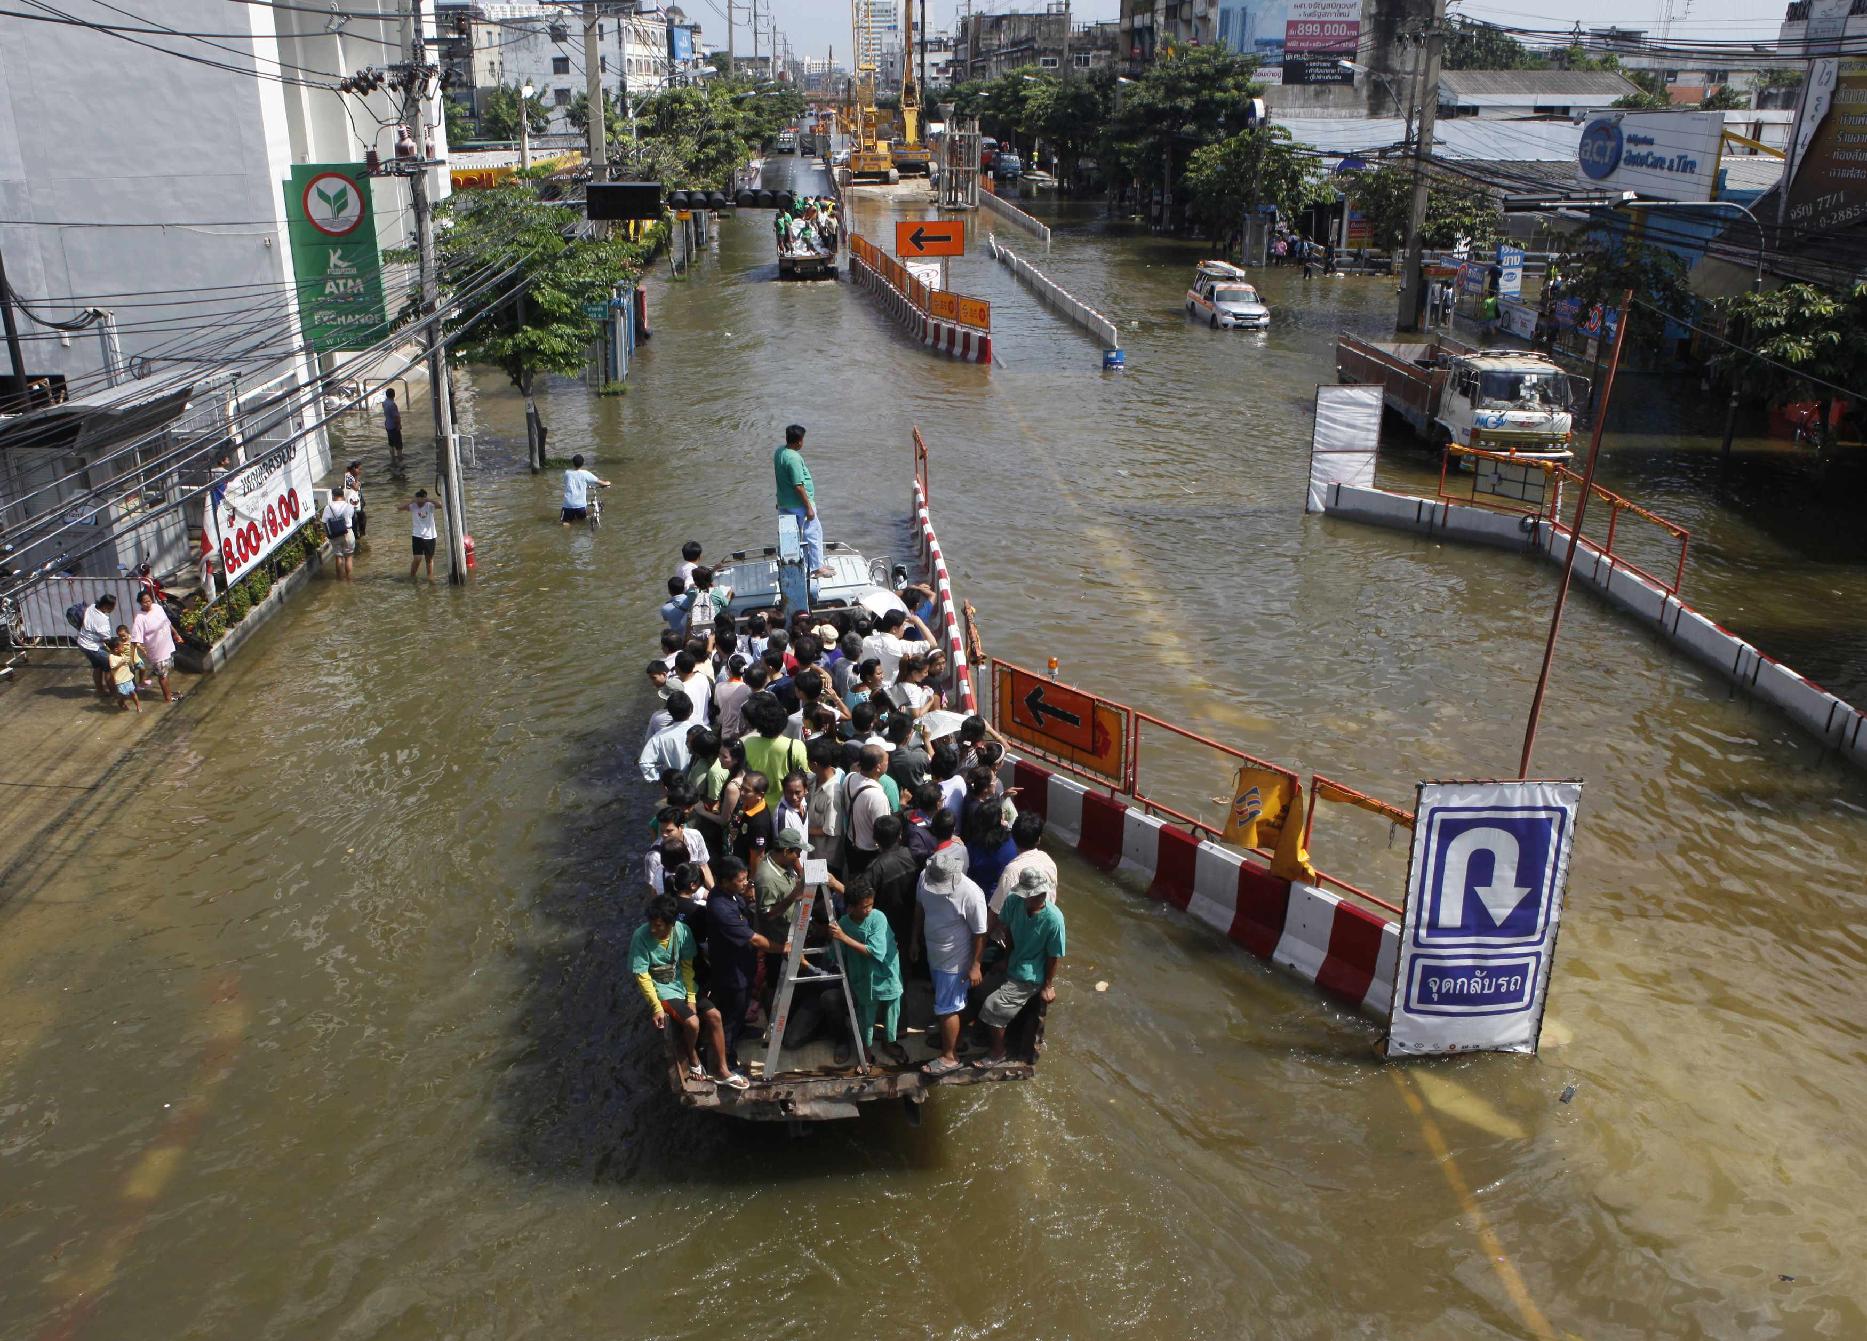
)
(1458, 139)
(1750, 172)
(1564, 87)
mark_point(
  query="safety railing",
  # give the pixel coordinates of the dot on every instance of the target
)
(1164, 769)
(946, 607)
(1055, 296)
(1508, 482)
(1011, 214)
(942, 304)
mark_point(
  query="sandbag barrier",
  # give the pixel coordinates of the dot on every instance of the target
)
(1011, 214)
(1056, 297)
(907, 302)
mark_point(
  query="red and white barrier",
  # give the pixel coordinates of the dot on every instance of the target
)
(948, 612)
(1346, 950)
(961, 342)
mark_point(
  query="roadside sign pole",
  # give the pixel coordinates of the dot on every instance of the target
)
(1575, 539)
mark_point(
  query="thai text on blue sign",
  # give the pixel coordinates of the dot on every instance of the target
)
(1484, 899)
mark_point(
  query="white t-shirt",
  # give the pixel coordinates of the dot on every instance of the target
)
(352, 493)
(867, 803)
(889, 649)
(825, 812)
(696, 852)
(577, 488)
(340, 507)
(1008, 878)
(686, 572)
(953, 918)
(97, 630)
(421, 520)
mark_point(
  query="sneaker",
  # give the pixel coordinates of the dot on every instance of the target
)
(940, 1066)
(732, 1080)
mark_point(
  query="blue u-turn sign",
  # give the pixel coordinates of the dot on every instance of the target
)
(1484, 896)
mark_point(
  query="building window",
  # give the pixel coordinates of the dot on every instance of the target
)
(1081, 59)
(561, 96)
(560, 65)
(602, 64)
(1047, 62)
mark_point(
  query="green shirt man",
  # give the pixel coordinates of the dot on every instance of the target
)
(1035, 941)
(797, 497)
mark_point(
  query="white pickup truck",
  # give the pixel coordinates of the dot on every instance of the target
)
(1222, 293)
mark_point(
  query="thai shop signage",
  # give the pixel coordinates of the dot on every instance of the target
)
(1318, 36)
(1484, 900)
(1828, 185)
(1510, 271)
(334, 254)
(1661, 155)
(256, 508)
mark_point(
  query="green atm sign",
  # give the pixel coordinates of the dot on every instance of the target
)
(340, 294)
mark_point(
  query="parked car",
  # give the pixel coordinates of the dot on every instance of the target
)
(1007, 166)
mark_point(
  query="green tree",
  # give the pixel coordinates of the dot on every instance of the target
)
(544, 328)
(499, 114)
(1454, 209)
(459, 122)
(1813, 336)
(1254, 167)
(1190, 97)
(615, 124)
(1068, 114)
(1652, 96)
(1480, 46)
(1609, 265)
(1724, 99)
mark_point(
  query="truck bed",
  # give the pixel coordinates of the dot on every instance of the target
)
(1410, 387)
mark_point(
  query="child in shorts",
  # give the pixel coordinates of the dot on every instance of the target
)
(123, 660)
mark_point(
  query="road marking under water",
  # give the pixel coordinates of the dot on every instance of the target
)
(1488, 1241)
(80, 1286)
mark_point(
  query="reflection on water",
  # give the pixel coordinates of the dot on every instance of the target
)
(402, 831)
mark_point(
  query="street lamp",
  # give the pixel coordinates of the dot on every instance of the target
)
(1756, 286)
(1406, 106)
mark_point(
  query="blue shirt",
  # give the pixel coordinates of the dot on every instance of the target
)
(730, 953)
(985, 865)
(577, 488)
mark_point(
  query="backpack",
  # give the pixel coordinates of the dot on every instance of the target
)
(336, 525)
(74, 615)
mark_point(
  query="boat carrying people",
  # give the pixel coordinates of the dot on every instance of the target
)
(844, 903)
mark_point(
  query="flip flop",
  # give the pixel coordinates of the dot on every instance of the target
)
(733, 1080)
(939, 1066)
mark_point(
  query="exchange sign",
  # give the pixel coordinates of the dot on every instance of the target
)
(335, 257)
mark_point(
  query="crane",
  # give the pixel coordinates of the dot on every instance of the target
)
(868, 156)
(911, 154)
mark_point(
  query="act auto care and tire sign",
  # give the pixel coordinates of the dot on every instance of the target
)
(335, 257)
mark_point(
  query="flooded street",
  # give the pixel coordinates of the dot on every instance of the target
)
(317, 1025)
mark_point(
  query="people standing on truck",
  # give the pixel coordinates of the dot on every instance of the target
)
(423, 532)
(667, 748)
(824, 808)
(793, 809)
(1034, 924)
(577, 482)
(768, 749)
(872, 965)
(950, 922)
(690, 560)
(671, 828)
(661, 958)
(887, 645)
(797, 497)
(730, 693)
(864, 801)
(733, 947)
(893, 875)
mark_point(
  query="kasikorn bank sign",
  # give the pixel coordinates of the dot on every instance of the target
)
(1662, 155)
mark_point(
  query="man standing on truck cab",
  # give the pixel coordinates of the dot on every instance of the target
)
(797, 496)
(1037, 947)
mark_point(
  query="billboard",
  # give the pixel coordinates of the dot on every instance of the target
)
(335, 257)
(1295, 41)
(1828, 181)
(680, 44)
(1662, 155)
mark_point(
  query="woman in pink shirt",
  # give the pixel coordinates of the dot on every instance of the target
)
(151, 631)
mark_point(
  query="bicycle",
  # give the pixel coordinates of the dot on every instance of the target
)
(593, 511)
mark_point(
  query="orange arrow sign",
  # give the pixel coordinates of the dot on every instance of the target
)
(930, 237)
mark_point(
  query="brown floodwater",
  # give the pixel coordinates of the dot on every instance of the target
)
(316, 1026)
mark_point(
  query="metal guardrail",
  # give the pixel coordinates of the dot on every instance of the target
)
(1055, 296)
(1547, 505)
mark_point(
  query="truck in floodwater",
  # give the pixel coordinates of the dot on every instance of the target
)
(1499, 400)
(802, 1061)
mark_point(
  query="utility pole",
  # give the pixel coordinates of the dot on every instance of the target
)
(525, 126)
(593, 92)
(16, 384)
(755, 35)
(446, 449)
(1065, 67)
(732, 8)
(1412, 288)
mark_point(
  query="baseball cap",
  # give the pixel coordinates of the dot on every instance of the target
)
(789, 838)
